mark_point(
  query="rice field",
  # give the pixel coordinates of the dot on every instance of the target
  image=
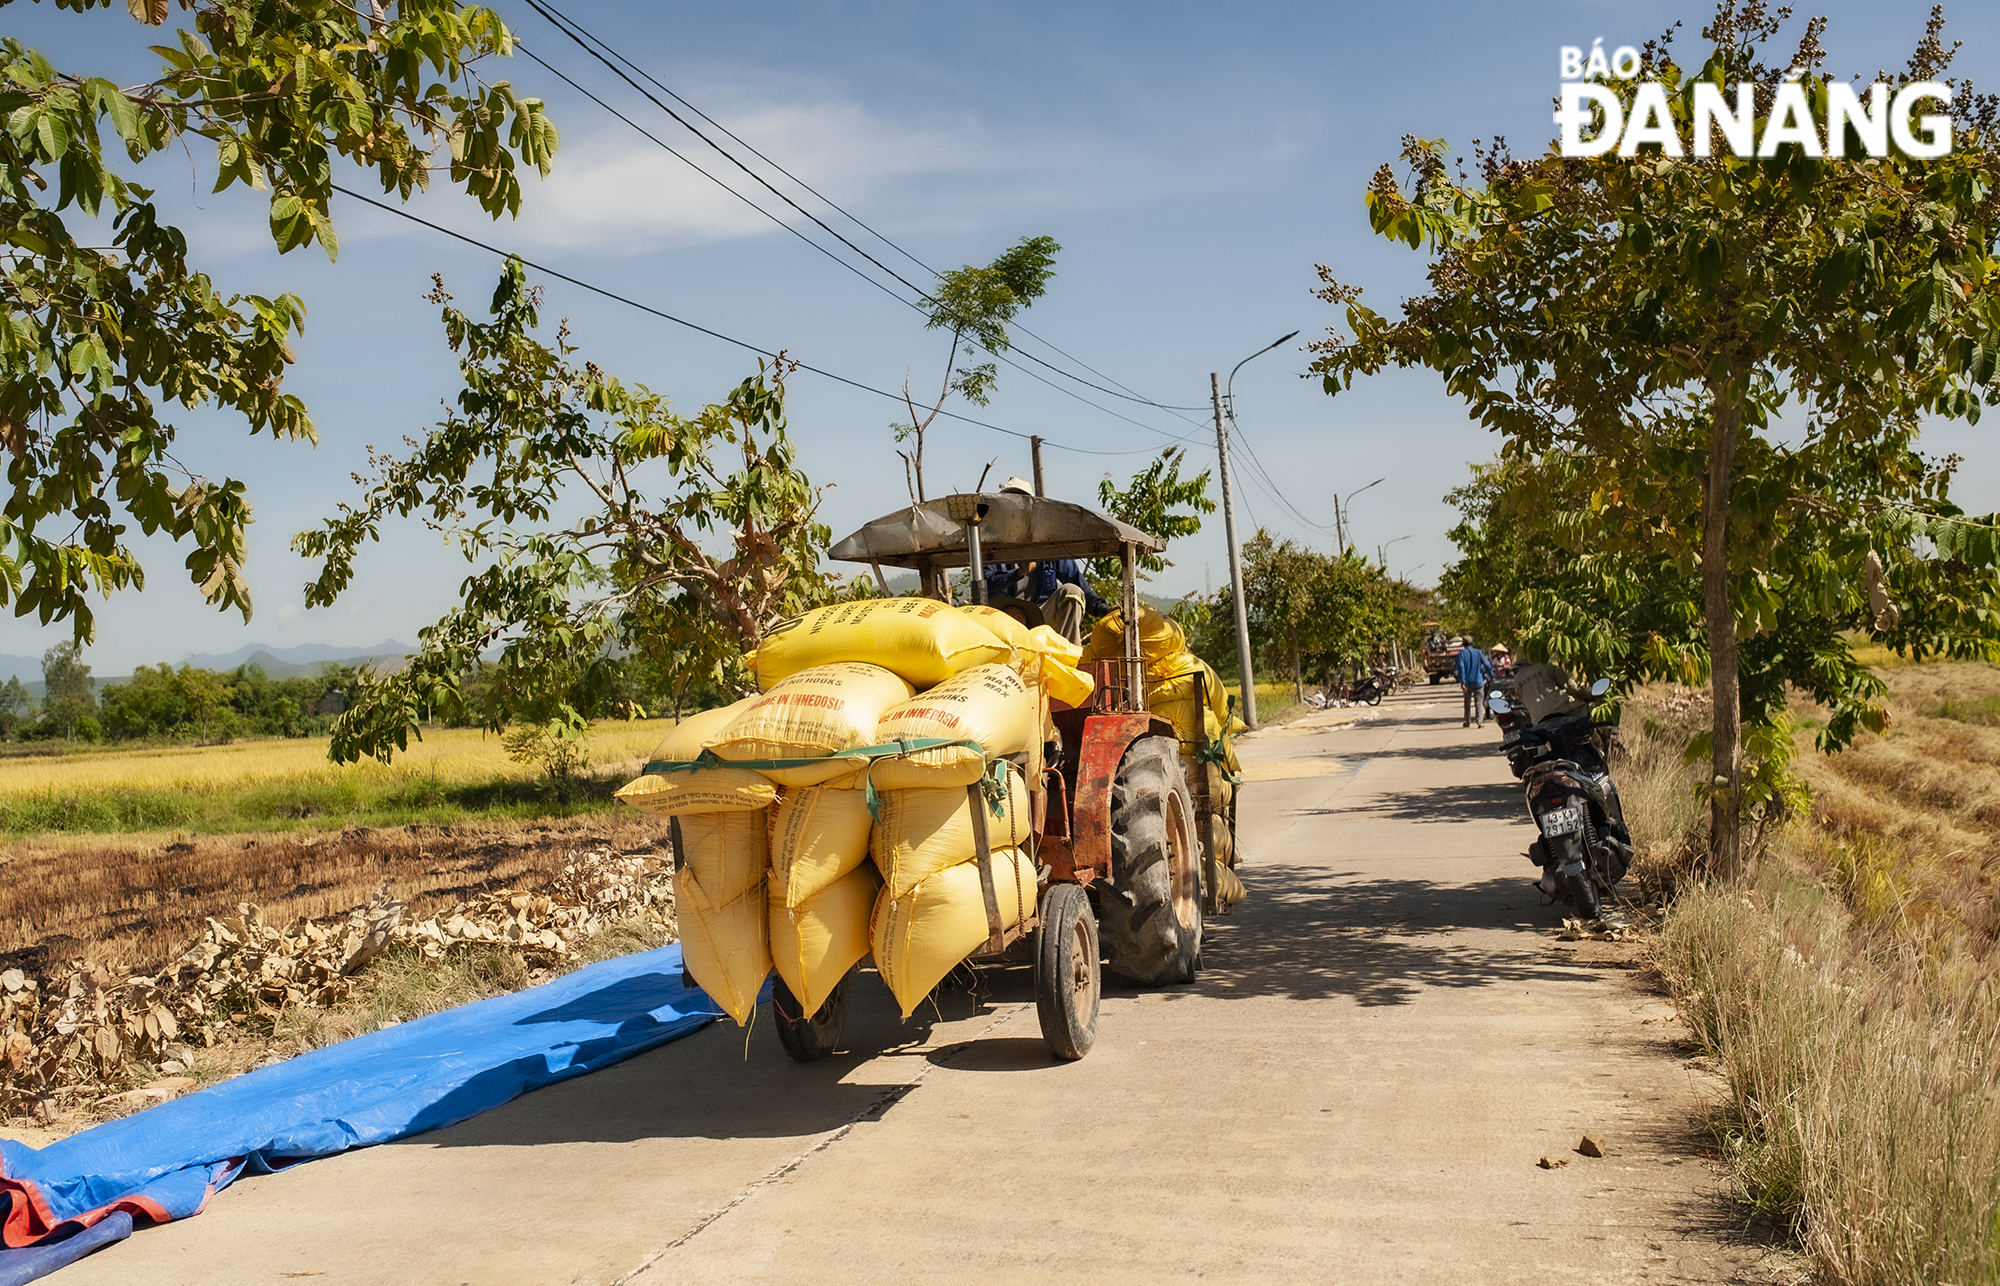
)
(452, 774)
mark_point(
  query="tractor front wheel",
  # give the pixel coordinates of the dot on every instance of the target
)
(1066, 977)
(1149, 911)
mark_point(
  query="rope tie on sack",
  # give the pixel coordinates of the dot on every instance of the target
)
(1217, 752)
(992, 783)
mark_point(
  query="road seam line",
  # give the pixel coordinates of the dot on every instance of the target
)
(874, 1111)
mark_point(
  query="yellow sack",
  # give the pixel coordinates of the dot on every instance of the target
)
(810, 715)
(818, 835)
(707, 790)
(726, 946)
(816, 942)
(1059, 659)
(921, 936)
(921, 639)
(725, 853)
(1229, 889)
(924, 831)
(989, 704)
(1004, 627)
(1161, 643)
(1178, 701)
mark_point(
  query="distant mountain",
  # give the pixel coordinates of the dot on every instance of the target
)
(278, 662)
(300, 659)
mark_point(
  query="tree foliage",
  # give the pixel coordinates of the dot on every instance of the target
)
(67, 697)
(96, 343)
(1318, 613)
(1733, 354)
(688, 575)
(1159, 502)
(974, 304)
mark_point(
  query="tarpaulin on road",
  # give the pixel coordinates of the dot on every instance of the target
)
(165, 1163)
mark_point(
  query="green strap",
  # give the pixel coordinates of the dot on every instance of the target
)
(886, 750)
(992, 783)
(1217, 752)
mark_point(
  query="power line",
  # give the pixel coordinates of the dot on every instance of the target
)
(751, 148)
(713, 334)
(677, 155)
(721, 151)
(578, 34)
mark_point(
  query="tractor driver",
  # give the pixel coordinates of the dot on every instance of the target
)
(1056, 585)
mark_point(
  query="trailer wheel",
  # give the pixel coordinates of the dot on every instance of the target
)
(1436, 679)
(1066, 972)
(1150, 908)
(808, 1040)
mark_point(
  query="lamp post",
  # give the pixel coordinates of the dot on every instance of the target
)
(1340, 510)
(1216, 391)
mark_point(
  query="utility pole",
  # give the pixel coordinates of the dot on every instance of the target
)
(1235, 555)
(1035, 445)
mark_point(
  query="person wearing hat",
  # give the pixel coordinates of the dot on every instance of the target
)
(1056, 585)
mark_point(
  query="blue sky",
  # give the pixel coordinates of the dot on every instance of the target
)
(1195, 162)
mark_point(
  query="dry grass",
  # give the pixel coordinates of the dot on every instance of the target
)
(135, 902)
(1850, 994)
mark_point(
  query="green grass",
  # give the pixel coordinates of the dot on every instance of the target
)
(1980, 710)
(296, 805)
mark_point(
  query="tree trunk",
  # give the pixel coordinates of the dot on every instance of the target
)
(1298, 672)
(1726, 761)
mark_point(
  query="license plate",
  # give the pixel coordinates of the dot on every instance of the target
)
(1561, 821)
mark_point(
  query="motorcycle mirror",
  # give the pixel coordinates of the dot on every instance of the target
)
(1600, 687)
(1498, 704)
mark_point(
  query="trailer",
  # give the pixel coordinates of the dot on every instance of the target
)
(1124, 845)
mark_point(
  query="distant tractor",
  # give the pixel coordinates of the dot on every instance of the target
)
(1441, 653)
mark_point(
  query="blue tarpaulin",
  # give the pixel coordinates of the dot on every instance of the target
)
(165, 1163)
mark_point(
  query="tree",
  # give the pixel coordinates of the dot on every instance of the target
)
(96, 341)
(13, 705)
(1320, 611)
(66, 689)
(974, 304)
(1159, 502)
(532, 428)
(1653, 315)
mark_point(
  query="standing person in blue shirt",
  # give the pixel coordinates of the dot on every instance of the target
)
(1473, 672)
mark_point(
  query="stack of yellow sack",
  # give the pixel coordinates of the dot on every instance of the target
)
(1177, 681)
(777, 851)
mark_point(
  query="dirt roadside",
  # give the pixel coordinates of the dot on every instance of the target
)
(1385, 1041)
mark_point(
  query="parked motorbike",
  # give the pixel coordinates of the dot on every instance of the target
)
(1511, 719)
(1369, 689)
(1584, 848)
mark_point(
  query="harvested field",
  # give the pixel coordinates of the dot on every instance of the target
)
(131, 903)
(453, 774)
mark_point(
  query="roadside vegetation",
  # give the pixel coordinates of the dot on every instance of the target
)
(1848, 988)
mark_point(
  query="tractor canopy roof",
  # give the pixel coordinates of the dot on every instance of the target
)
(1013, 528)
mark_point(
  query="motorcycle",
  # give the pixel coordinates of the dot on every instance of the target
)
(1511, 719)
(1584, 847)
(1369, 689)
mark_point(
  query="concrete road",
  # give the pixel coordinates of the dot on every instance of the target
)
(1385, 1040)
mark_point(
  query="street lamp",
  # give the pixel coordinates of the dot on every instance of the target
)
(1382, 554)
(1340, 508)
(1215, 391)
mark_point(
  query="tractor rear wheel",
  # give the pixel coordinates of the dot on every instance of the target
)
(1149, 913)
